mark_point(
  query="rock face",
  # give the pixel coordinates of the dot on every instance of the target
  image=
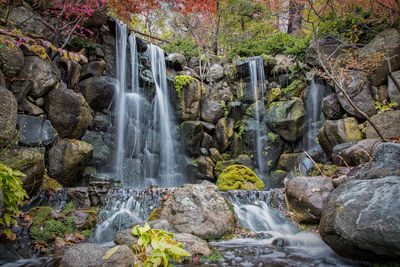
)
(101, 152)
(287, 118)
(361, 220)
(68, 112)
(8, 116)
(393, 92)
(98, 91)
(224, 133)
(35, 131)
(190, 98)
(67, 159)
(338, 132)
(389, 40)
(199, 210)
(239, 177)
(192, 133)
(386, 124)
(358, 87)
(385, 162)
(88, 254)
(307, 196)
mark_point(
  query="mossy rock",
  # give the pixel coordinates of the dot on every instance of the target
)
(239, 177)
(50, 183)
(155, 214)
(294, 89)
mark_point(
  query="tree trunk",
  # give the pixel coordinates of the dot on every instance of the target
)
(294, 24)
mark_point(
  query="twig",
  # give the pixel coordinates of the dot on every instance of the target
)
(316, 165)
(347, 165)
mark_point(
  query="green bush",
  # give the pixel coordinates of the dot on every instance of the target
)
(184, 47)
(80, 43)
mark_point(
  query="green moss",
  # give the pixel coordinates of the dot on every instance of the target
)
(272, 136)
(294, 89)
(213, 258)
(69, 207)
(326, 169)
(280, 171)
(48, 231)
(269, 163)
(180, 82)
(239, 177)
(225, 156)
(155, 214)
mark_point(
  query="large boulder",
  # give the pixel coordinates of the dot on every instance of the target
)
(193, 244)
(200, 210)
(192, 133)
(216, 73)
(329, 48)
(354, 153)
(35, 131)
(243, 159)
(204, 168)
(101, 151)
(361, 220)
(98, 91)
(8, 116)
(211, 110)
(67, 159)
(239, 177)
(331, 107)
(387, 40)
(88, 254)
(176, 61)
(68, 111)
(306, 196)
(387, 124)
(392, 90)
(338, 132)
(385, 162)
(358, 88)
(189, 100)
(224, 133)
(287, 118)
(11, 59)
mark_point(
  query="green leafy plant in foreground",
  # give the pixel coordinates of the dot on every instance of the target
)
(156, 247)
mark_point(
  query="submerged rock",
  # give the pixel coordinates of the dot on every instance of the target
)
(239, 177)
(361, 220)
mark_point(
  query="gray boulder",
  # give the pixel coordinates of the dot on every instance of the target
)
(193, 244)
(361, 220)
(35, 131)
(93, 69)
(28, 108)
(329, 48)
(11, 59)
(189, 101)
(98, 91)
(204, 168)
(287, 161)
(101, 151)
(354, 153)
(211, 110)
(306, 196)
(176, 61)
(8, 116)
(392, 90)
(216, 73)
(387, 123)
(331, 107)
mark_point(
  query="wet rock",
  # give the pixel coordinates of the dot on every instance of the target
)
(101, 122)
(389, 38)
(361, 219)
(385, 122)
(193, 244)
(189, 101)
(288, 161)
(79, 196)
(83, 219)
(385, 162)
(215, 155)
(192, 133)
(287, 118)
(101, 152)
(307, 196)
(176, 61)
(98, 91)
(277, 178)
(93, 69)
(199, 210)
(98, 192)
(274, 95)
(224, 133)
(211, 110)
(272, 145)
(392, 90)
(241, 160)
(11, 59)
(67, 160)
(280, 242)
(68, 112)
(205, 168)
(331, 107)
(109, 48)
(239, 177)
(216, 73)
(354, 153)
(338, 132)
(8, 116)
(358, 87)
(207, 141)
(35, 131)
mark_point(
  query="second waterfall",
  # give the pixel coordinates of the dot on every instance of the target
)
(146, 152)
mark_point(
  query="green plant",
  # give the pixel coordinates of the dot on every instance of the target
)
(180, 82)
(213, 258)
(384, 105)
(182, 46)
(272, 136)
(80, 43)
(48, 231)
(69, 207)
(225, 107)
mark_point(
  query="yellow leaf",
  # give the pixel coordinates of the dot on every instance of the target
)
(110, 252)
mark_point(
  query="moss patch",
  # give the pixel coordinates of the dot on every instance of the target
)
(155, 214)
(239, 177)
(294, 89)
(180, 82)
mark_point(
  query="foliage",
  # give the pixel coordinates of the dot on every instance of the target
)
(225, 107)
(180, 82)
(156, 247)
(80, 43)
(48, 231)
(294, 89)
(384, 105)
(184, 47)
(13, 194)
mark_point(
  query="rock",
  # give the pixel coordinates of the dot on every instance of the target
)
(224, 133)
(241, 160)
(8, 116)
(97, 19)
(101, 152)
(2, 81)
(283, 65)
(125, 238)
(203, 151)
(192, 133)
(288, 161)
(215, 155)
(354, 153)
(28, 108)
(93, 69)
(88, 254)
(239, 177)
(361, 220)
(331, 107)
(385, 162)
(199, 210)
(109, 48)
(357, 86)
(287, 118)
(382, 92)
(189, 101)
(338, 132)
(387, 40)
(101, 122)
(193, 244)
(280, 242)
(1, 201)
(392, 90)
(98, 91)
(79, 196)
(271, 147)
(11, 59)
(329, 48)
(98, 192)
(207, 141)
(205, 168)
(274, 94)
(211, 110)
(294, 89)
(208, 127)
(384, 121)
(157, 224)
(176, 61)
(67, 159)
(242, 67)
(216, 73)
(68, 112)
(277, 178)
(70, 71)
(35, 131)
(83, 219)
(306, 196)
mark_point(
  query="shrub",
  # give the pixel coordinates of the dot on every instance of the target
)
(80, 43)
(184, 47)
